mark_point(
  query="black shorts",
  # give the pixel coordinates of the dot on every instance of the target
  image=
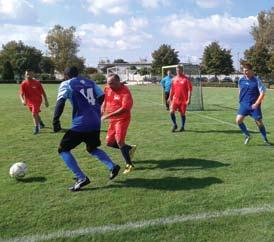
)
(72, 139)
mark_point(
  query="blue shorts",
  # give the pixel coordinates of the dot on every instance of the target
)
(245, 110)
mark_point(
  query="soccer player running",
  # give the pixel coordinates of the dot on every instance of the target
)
(166, 84)
(86, 99)
(31, 93)
(251, 94)
(180, 97)
(117, 107)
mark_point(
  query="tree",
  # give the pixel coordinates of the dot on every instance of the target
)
(164, 56)
(7, 73)
(46, 65)
(259, 57)
(263, 34)
(20, 57)
(63, 46)
(216, 60)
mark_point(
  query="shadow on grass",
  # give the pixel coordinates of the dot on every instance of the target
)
(177, 164)
(166, 183)
(220, 131)
(32, 179)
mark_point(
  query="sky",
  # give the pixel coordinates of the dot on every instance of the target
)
(132, 29)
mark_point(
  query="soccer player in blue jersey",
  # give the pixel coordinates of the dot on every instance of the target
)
(86, 99)
(251, 94)
(166, 84)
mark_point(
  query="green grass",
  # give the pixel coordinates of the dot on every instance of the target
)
(203, 170)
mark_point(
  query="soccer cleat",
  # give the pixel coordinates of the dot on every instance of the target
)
(181, 129)
(266, 142)
(132, 151)
(36, 130)
(247, 139)
(79, 183)
(42, 125)
(174, 128)
(114, 172)
(128, 169)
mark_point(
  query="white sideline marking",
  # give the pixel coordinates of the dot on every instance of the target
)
(142, 224)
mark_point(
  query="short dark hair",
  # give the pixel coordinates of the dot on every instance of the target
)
(71, 71)
(115, 76)
(247, 66)
(28, 70)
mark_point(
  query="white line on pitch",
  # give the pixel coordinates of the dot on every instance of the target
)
(142, 224)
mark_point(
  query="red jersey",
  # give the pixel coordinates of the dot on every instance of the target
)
(180, 88)
(32, 91)
(117, 99)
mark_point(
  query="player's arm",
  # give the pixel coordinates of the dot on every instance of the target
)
(171, 94)
(189, 92)
(22, 95)
(45, 96)
(262, 91)
(63, 94)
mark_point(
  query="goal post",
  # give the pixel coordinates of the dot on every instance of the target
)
(194, 74)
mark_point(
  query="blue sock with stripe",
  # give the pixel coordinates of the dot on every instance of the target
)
(243, 129)
(103, 157)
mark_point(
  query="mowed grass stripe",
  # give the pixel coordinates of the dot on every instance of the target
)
(143, 224)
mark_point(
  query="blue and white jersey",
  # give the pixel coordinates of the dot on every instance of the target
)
(250, 89)
(83, 95)
(166, 83)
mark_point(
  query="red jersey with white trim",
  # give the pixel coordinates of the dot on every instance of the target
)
(32, 91)
(117, 99)
(180, 88)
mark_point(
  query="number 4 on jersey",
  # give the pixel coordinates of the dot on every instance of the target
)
(89, 96)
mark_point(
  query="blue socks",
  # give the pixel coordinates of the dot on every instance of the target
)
(173, 119)
(243, 129)
(263, 131)
(72, 164)
(183, 118)
(103, 157)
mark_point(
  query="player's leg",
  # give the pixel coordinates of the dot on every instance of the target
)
(258, 117)
(243, 111)
(92, 141)
(173, 117)
(166, 98)
(35, 117)
(70, 140)
(183, 117)
(41, 123)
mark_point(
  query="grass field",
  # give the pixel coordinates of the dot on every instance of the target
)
(185, 186)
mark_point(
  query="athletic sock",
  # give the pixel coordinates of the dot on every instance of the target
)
(263, 131)
(173, 119)
(103, 157)
(72, 164)
(183, 119)
(125, 152)
(243, 129)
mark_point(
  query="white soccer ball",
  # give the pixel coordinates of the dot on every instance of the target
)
(18, 170)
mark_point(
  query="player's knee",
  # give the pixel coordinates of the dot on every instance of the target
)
(90, 149)
(62, 149)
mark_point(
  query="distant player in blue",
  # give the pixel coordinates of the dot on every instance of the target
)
(86, 99)
(166, 84)
(252, 92)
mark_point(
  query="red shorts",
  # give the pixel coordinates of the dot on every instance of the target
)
(34, 108)
(181, 107)
(117, 131)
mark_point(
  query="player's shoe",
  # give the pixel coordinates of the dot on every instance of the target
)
(174, 128)
(266, 142)
(79, 184)
(247, 139)
(132, 151)
(128, 169)
(114, 172)
(36, 130)
(42, 125)
(181, 129)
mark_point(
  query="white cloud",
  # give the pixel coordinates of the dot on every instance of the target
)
(14, 11)
(154, 3)
(50, 1)
(212, 3)
(30, 35)
(108, 6)
(122, 35)
(193, 34)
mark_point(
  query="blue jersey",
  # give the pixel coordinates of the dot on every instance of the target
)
(166, 83)
(83, 95)
(250, 89)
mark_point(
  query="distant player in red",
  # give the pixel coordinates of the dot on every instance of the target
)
(31, 92)
(180, 96)
(117, 107)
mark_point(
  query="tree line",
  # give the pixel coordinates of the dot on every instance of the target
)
(63, 46)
